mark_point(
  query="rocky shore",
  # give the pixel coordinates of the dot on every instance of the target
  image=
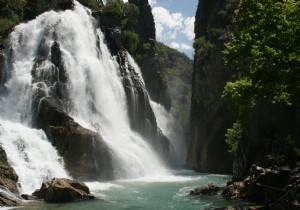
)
(267, 186)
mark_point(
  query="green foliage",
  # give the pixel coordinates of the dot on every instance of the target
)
(233, 136)
(114, 12)
(203, 48)
(266, 53)
(11, 13)
(124, 15)
(291, 149)
(92, 4)
(131, 15)
(178, 68)
(146, 47)
(131, 41)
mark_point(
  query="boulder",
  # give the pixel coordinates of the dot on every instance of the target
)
(205, 190)
(234, 190)
(59, 190)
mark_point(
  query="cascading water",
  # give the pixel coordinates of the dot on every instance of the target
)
(95, 90)
(169, 125)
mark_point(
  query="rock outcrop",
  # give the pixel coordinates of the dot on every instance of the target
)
(85, 154)
(205, 190)
(210, 117)
(154, 75)
(59, 190)
(141, 115)
(270, 130)
(8, 182)
(275, 186)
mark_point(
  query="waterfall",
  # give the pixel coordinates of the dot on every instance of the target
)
(96, 97)
(168, 124)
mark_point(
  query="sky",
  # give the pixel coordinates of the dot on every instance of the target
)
(174, 22)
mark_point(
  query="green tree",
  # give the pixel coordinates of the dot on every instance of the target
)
(131, 41)
(11, 13)
(266, 53)
(113, 11)
(131, 15)
(265, 50)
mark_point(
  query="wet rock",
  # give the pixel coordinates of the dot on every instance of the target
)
(57, 60)
(8, 176)
(268, 185)
(205, 190)
(8, 182)
(86, 155)
(234, 190)
(60, 190)
(28, 197)
(114, 35)
(141, 115)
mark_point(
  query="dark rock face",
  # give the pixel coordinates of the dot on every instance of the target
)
(36, 7)
(85, 154)
(209, 117)
(2, 73)
(59, 190)
(205, 190)
(114, 35)
(142, 118)
(146, 25)
(268, 185)
(271, 129)
(8, 182)
(154, 75)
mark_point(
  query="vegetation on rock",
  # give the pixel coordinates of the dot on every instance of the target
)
(266, 52)
(178, 75)
(11, 13)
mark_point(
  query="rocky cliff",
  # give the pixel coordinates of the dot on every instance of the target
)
(210, 117)
(153, 74)
(178, 74)
(269, 130)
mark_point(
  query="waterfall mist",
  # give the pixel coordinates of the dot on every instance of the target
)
(96, 97)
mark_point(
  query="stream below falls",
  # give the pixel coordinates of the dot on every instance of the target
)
(148, 193)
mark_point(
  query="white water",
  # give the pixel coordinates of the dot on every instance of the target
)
(173, 130)
(168, 124)
(96, 92)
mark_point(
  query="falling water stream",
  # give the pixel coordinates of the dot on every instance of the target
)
(98, 102)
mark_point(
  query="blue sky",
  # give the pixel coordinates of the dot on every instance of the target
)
(174, 21)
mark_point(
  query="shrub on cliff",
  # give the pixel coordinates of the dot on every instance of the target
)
(131, 41)
(11, 13)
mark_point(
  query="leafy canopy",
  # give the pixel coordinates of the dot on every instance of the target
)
(266, 53)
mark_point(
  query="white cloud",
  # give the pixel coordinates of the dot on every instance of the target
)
(189, 27)
(169, 25)
(152, 2)
(180, 46)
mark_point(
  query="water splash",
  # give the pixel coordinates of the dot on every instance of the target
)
(96, 92)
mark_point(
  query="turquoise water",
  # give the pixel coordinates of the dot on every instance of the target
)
(167, 192)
